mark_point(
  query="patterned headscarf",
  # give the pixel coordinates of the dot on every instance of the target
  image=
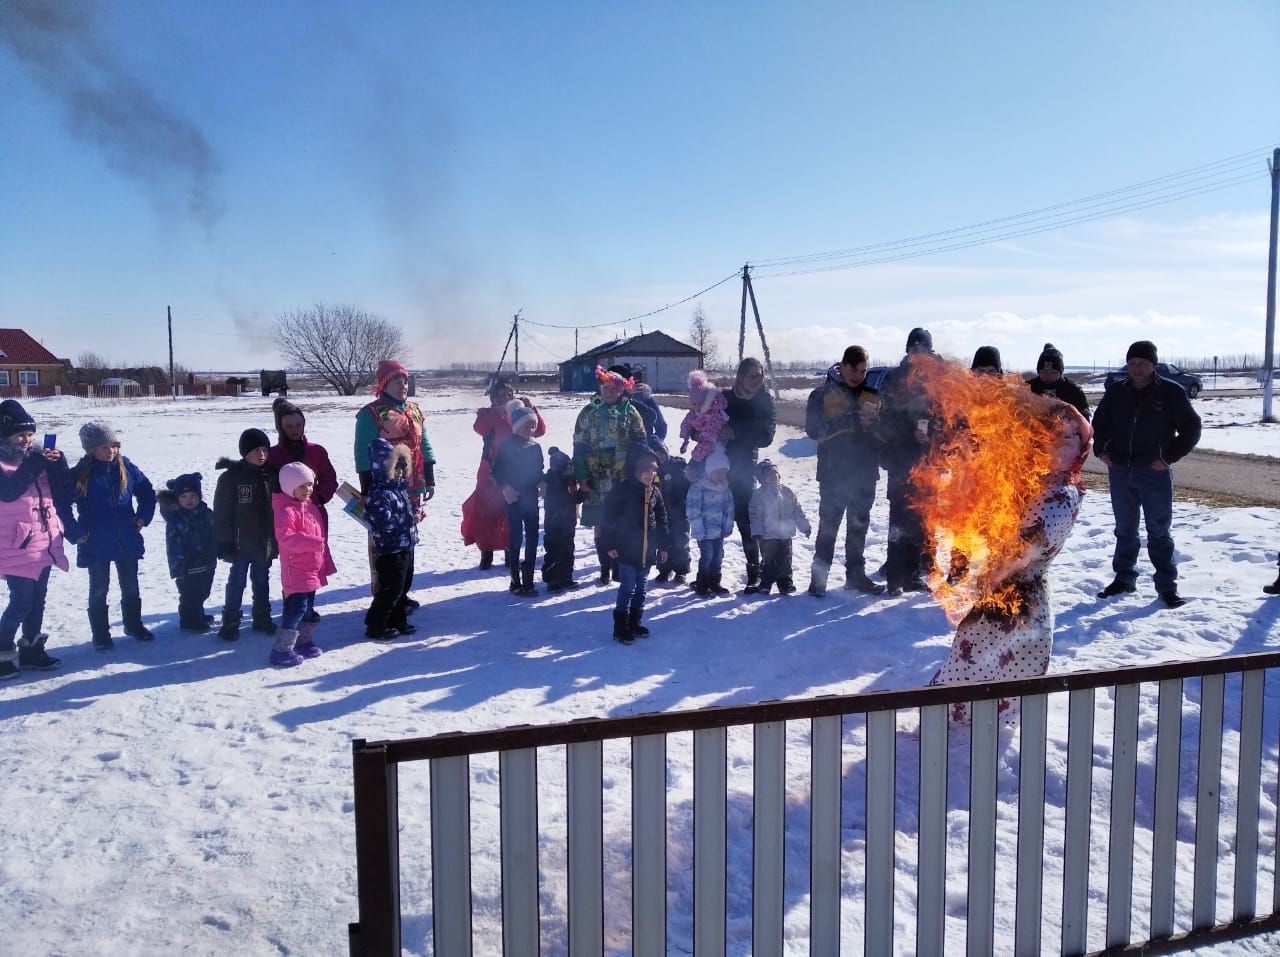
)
(603, 375)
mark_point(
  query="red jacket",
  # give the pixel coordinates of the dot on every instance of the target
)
(315, 458)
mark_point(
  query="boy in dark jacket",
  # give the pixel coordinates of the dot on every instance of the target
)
(633, 533)
(517, 469)
(389, 511)
(190, 545)
(244, 530)
(560, 520)
(674, 485)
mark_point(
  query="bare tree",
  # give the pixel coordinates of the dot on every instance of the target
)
(700, 333)
(91, 368)
(341, 345)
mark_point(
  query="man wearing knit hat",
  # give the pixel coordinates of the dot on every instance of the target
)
(393, 417)
(1143, 425)
(1051, 381)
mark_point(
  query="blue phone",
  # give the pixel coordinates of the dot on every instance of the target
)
(50, 440)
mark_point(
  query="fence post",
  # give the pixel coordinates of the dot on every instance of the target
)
(377, 852)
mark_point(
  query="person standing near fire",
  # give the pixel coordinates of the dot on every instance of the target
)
(1142, 426)
(1051, 381)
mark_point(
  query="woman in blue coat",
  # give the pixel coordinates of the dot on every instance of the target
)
(113, 501)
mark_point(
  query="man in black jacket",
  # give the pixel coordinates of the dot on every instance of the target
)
(840, 417)
(1142, 426)
(1050, 381)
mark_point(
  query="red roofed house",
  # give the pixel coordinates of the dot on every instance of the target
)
(26, 363)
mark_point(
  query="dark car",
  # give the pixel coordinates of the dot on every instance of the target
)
(875, 376)
(1164, 370)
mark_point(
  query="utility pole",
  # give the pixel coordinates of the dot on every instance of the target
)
(1269, 356)
(173, 386)
(764, 343)
(515, 322)
(742, 314)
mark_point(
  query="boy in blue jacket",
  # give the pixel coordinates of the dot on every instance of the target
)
(389, 510)
(191, 547)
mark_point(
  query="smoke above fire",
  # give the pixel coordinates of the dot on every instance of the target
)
(990, 456)
(108, 108)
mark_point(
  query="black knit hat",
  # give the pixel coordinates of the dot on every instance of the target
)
(1050, 358)
(1142, 349)
(282, 407)
(185, 483)
(987, 356)
(14, 419)
(920, 337)
(251, 439)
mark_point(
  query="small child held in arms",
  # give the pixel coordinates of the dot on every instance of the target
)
(389, 511)
(674, 485)
(559, 521)
(191, 548)
(517, 468)
(775, 515)
(704, 421)
(709, 507)
(305, 563)
(634, 532)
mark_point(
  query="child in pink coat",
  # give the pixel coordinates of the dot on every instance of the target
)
(704, 421)
(305, 563)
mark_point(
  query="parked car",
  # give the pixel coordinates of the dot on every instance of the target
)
(875, 376)
(1192, 383)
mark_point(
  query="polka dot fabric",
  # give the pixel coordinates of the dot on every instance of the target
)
(991, 645)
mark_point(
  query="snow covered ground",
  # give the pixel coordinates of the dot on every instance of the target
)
(183, 797)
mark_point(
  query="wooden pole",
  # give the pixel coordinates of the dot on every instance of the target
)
(1269, 357)
(742, 316)
(173, 385)
(768, 359)
(515, 321)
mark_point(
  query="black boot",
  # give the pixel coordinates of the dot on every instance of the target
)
(514, 587)
(230, 630)
(622, 630)
(713, 584)
(527, 587)
(1273, 588)
(633, 622)
(262, 618)
(857, 580)
(100, 628)
(605, 564)
(34, 655)
(131, 609)
(486, 560)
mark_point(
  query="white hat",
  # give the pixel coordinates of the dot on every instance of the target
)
(293, 475)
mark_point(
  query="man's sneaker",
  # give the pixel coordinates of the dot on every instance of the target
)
(36, 657)
(385, 634)
(856, 581)
(103, 644)
(1117, 587)
(1172, 599)
(196, 627)
(8, 670)
(139, 631)
(266, 626)
(284, 659)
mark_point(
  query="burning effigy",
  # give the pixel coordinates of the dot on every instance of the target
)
(998, 490)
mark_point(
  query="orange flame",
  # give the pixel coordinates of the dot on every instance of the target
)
(990, 455)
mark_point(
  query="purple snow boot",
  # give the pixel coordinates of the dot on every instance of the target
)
(283, 655)
(306, 646)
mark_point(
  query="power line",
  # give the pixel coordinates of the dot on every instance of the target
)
(644, 315)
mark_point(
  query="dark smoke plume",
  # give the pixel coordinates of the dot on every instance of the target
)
(139, 136)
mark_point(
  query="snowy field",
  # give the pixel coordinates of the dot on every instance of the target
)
(183, 797)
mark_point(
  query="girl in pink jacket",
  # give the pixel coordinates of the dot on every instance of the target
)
(305, 563)
(30, 537)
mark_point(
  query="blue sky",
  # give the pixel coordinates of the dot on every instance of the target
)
(444, 165)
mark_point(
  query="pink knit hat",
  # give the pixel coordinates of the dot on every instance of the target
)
(388, 369)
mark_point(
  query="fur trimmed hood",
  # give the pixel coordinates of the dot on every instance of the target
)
(385, 458)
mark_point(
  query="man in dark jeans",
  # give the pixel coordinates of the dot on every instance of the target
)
(840, 417)
(1141, 427)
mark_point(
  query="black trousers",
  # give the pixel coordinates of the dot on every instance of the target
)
(775, 562)
(677, 551)
(522, 527)
(557, 554)
(393, 576)
(906, 534)
(851, 505)
(193, 592)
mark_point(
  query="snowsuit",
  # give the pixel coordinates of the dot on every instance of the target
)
(560, 520)
(753, 424)
(675, 490)
(484, 513)
(704, 424)
(31, 540)
(192, 551)
(389, 511)
(775, 516)
(709, 509)
(992, 645)
(848, 469)
(244, 530)
(519, 464)
(108, 511)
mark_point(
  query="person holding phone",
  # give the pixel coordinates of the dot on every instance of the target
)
(32, 540)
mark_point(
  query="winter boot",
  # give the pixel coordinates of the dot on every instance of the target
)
(717, 589)
(9, 668)
(527, 588)
(605, 563)
(230, 629)
(34, 655)
(515, 585)
(486, 560)
(131, 609)
(306, 645)
(857, 580)
(262, 617)
(1273, 588)
(283, 655)
(633, 622)
(100, 628)
(621, 630)
(701, 586)
(678, 578)
(662, 578)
